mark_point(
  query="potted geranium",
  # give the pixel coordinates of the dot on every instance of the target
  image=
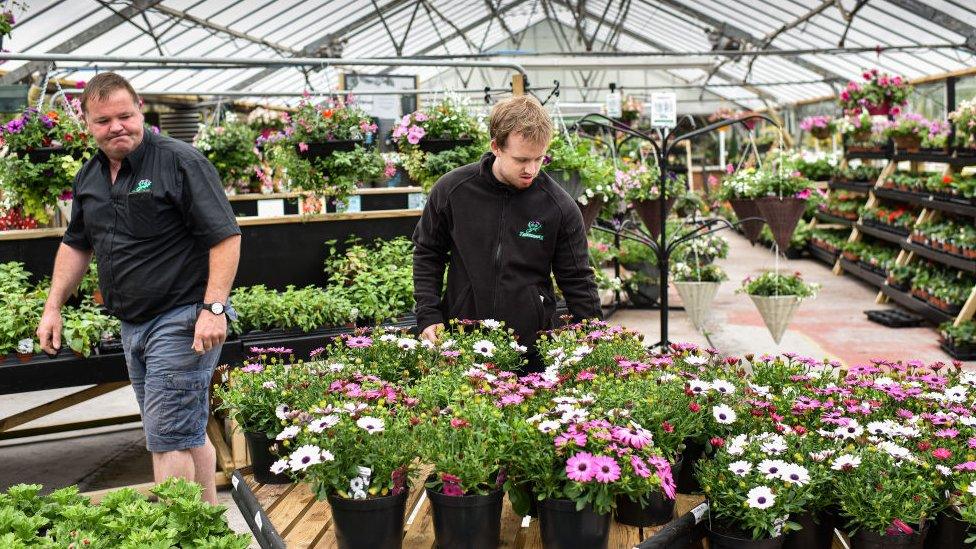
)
(327, 149)
(820, 126)
(356, 449)
(777, 296)
(877, 93)
(697, 285)
(907, 131)
(964, 117)
(741, 188)
(231, 148)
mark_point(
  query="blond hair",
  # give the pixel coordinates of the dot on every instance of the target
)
(103, 85)
(522, 114)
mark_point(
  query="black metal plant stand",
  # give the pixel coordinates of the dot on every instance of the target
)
(662, 248)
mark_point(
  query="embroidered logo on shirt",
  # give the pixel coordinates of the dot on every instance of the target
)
(532, 230)
(143, 186)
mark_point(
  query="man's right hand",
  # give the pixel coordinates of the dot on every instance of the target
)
(49, 331)
(432, 333)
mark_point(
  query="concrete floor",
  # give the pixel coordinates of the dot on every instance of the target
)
(833, 325)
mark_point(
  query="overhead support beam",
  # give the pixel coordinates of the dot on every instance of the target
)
(80, 39)
(609, 62)
(208, 24)
(735, 32)
(940, 18)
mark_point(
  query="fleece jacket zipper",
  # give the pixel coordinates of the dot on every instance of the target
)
(498, 257)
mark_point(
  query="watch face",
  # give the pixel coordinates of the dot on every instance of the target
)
(217, 308)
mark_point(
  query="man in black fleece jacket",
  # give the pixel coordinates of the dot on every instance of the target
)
(504, 227)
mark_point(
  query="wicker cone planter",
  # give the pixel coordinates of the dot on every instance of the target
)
(744, 208)
(782, 215)
(650, 213)
(776, 311)
(697, 298)
(591, 210)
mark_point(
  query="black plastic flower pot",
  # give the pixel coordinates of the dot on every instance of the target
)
(320, 149)
(817, 532)
(441, 145)
(685, 478)
(948, 532)
(563, 527)
(374, 523)
(866, 539)
(658, 510)
(471, 522)
(259, 446)
(40, 155)
(722, 540)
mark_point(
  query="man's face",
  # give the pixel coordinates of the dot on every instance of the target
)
(519, 162)
(116, 122)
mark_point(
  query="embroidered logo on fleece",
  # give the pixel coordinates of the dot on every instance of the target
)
(143, 186)
(533, 230)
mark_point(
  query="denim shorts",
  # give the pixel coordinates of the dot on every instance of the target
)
(171, 381)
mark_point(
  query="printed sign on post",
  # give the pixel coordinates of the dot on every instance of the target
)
(614, 108)
(664, 110)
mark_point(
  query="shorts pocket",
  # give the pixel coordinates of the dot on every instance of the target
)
(181, 404)
(141, 214)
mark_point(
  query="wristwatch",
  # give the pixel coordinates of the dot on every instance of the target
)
(216, 308)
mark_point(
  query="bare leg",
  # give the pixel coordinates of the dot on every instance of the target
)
(204, 466)
(178, 463)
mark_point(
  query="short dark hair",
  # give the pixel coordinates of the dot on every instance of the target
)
(520, 114)
(103, 85)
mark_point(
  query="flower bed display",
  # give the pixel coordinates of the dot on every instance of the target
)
(956, 188)
(898, 221)
(947, 235)
(843, 204)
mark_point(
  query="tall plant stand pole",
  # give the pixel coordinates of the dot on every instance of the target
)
(668, 140)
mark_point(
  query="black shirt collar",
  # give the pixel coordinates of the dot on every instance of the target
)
(134, 158)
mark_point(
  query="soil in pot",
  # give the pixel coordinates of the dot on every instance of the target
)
(563, 527)
(259, 447)
(468, 522)
(374, 523)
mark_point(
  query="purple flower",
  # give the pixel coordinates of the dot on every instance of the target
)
(606, 469)
(253, 368)
(580, 467)
(359, 342)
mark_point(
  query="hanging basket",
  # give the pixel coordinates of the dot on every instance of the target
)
(569, 181)
(697, 298)
(907, 143)
(782, 215)
(776, 311)
(744, 208)
(650, 213)
(820, 133)
(591, 210)
(884, 109)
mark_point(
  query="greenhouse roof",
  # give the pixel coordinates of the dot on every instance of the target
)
(806, 48)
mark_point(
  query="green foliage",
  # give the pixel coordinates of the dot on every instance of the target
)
(377, 279)
(772, 283)
(230, 148)
(425, 168)
(306, 309)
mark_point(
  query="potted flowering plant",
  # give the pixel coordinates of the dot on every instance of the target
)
(641, 186)
(437, 140)
(231, 148)
(964, 118)
(580, 351)
(483, 341)
(887, 495)
(878, 93)
(741, 188)
(857, 128)
(783, 200)
(579, 464)
(753, 488)
(466, 442)
(820, 126)
(356, 449)
(936, 139)
(777, 296)
(907, 131)
(697, 285)
(393, 355)
(583, 172)
(325, 148)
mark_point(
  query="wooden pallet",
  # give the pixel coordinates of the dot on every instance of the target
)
(290, 516)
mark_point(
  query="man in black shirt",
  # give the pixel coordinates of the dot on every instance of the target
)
(153, 212)
(505, 228)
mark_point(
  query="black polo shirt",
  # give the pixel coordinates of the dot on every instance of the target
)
(153, 229)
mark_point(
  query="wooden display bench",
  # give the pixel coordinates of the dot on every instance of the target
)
(288, 515)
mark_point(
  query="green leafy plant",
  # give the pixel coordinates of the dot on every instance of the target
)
(306, 309)
(771, 283)
(425, 168)
(377, 277)
(230, 147)
(690, 272)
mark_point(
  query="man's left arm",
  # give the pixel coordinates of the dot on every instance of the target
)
(211, 221)
(571, 266)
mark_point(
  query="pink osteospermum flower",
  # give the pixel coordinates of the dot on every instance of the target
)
(941, 453)
(947, 433)
(663, 468)
(966, 466)
(580, 467)
(579, 439)
(640, 468)
(606, 468)
(634, 437)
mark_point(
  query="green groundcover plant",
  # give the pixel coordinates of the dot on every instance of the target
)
(772, 283)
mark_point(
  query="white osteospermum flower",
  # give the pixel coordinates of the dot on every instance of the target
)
(388, 338)
(907, 431)
(517, 348)
(845, 461)
(281, 412)
(407, 343)
(944, 470)
(574, 415)
(971, 489)
(699, 386)
(371, 424)
(882, 381)
(775, 445)
(484, 348)
(696, 360)
(323, 423)
(304, 457)
(279, 466)
(761, 497)
(851, 430)
(723, 387)
(491, 323)
(269, 385)
(427, 344)
(549, 426)
(760, 390)
(335, 366)
(956, 393)
(582, 351)
(878, 428)
(772, 468)
(449, 344)
(968, 378)
(894, 450)
(723, 414)
(968, 421)
(288, 432)
(740, 468)
(821, 455)
(795, 474)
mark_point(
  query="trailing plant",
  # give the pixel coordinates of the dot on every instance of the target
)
(772, 283)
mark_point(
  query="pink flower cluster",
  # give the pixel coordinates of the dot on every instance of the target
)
(413, 132)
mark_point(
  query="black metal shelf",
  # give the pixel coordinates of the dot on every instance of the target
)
(917, 306)
(823, 216)
(857, 187)
(822, 255)
(882, 234)
(884, 154)
(928, 201)
(860, 272)
(935, 158)
(953, 261)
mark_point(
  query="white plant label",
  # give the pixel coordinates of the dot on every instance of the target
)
(664, 110)
(271, 207)
(234, 481)
(614, 107)
(257, 520)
